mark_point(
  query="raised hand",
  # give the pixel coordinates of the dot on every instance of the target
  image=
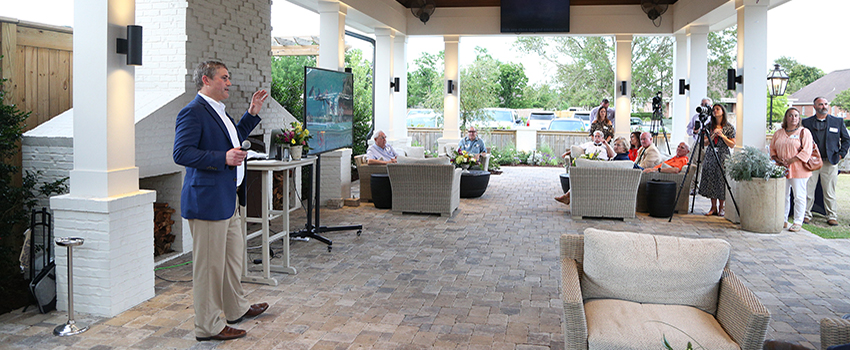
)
(257, 102)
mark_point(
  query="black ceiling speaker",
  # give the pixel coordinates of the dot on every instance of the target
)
(422, 9)
(654, 9)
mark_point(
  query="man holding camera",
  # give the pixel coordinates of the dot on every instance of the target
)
(695, 124)
(833, 141)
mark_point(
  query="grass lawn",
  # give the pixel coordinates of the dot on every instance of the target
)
(818, 224)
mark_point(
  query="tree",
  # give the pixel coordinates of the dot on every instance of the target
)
(512, 82)
(799, 75)
(722, 53)
(541, 96)
(842, 100)
(425, 84)
(288, 82)
(479, 87)
(652, 67)
(363, 111)
(780, 104)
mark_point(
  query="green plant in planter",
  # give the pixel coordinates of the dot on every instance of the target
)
(752, 163)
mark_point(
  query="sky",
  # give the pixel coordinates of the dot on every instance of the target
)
(791, 32)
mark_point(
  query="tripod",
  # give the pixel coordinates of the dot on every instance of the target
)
(656, 123)
(310, 231)
(703, 135)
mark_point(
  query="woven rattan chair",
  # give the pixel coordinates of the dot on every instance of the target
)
(834, 331)
(684, 197)
(738, 311)
(603, 192)
(365, 171)
(425, 188)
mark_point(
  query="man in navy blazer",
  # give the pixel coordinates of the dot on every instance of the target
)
(833, 141)
(207, 143)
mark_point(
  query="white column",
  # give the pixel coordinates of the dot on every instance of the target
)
(331, 34)
(399, 114)
(451, 102)
(752, 58)
(113, 269)
(698, 68)
(679, 107)
(623, 72)
(383, 74)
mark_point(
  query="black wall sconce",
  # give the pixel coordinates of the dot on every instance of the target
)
(623, 88)
(394, 84)
(731, 79)
(683, 86)
(451, 86)
(132, 46)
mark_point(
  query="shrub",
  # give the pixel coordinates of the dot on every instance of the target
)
(752, 163)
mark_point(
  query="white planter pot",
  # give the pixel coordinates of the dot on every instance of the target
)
(762, 204)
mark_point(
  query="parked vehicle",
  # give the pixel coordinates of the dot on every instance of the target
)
(584, 116)
(500, 118)
(422, 118)
(635, 124)
(540, 120)
(566, 124)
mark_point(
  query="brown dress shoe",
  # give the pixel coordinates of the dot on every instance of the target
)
(226, 334)
(253, 311)
(832, 222)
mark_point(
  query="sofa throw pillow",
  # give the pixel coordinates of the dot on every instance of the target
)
(423, 161)
(653, 269)
(614, 164)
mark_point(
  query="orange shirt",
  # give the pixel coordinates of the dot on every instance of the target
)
(675, 162)
(798, 144)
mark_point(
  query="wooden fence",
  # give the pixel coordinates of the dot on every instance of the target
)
(38, 63)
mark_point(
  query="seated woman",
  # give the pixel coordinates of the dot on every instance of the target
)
(635, 145)
(620, 149)
(596, 145)
(602, 123)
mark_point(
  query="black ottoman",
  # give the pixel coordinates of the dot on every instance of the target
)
(565, 182)
(661, 198)
(473, 183)
(382, 192)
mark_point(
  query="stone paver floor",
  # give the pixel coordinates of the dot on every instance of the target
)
(485, 278)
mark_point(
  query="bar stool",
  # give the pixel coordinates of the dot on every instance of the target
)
(70, 327)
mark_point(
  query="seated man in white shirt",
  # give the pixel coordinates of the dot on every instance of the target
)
(596, 145)
(380, 153)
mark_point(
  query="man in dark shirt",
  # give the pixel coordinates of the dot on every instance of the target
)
(833, 141)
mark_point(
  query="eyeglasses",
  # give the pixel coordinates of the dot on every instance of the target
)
(472, 131)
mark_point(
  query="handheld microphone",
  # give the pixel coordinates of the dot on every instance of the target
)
(246, 145)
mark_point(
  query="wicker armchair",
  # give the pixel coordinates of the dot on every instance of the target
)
(425, 188)
(684, 199)
(834, 331)
(603, 192)
(365, 171)
(738, 314)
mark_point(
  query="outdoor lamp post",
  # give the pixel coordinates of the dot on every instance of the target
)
(777, 81)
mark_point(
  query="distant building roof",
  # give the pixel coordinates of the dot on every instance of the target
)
(827, 86)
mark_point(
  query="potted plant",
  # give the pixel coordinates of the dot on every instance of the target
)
(760, 187)
(462, 159)
(295, 138)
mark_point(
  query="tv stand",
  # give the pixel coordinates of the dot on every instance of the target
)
(314, 232)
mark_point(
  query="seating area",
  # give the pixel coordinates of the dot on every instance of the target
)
(488, 277)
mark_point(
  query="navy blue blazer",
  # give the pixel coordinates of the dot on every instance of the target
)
(201, 142)
(837, 143)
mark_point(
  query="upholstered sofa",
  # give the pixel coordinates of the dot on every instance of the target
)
(365, 171)
(429, 185)
(624, 290)
(606, 189)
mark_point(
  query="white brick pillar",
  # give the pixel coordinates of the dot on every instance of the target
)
(623, 72)
(752, 57)
(679, 107)
(451, 101)
(383, 74)
(698, 66)
(114, 267)
(400, 98)
(335, 175)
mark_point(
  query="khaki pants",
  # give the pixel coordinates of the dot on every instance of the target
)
(828, 178)
(218, 254)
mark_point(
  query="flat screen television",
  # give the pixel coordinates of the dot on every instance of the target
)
(535, 16)
(328, 109)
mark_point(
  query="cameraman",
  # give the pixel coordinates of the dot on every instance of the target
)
(695, 125)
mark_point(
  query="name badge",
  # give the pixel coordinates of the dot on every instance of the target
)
(794, 137)
(834, 130)
(605, 127)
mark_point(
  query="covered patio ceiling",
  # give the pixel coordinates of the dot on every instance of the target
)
(489, 3)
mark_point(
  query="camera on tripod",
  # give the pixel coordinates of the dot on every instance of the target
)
(703, 113)
(656, 101)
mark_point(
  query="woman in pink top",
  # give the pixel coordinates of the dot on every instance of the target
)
(791, 147)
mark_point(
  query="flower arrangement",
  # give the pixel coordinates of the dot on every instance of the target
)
(461, 157)
(591, 156)
(295, 135)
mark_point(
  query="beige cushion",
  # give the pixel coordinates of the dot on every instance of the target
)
(606, 328)
(613, 164)
(576, 151)
(423, 161)
(653, 269)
